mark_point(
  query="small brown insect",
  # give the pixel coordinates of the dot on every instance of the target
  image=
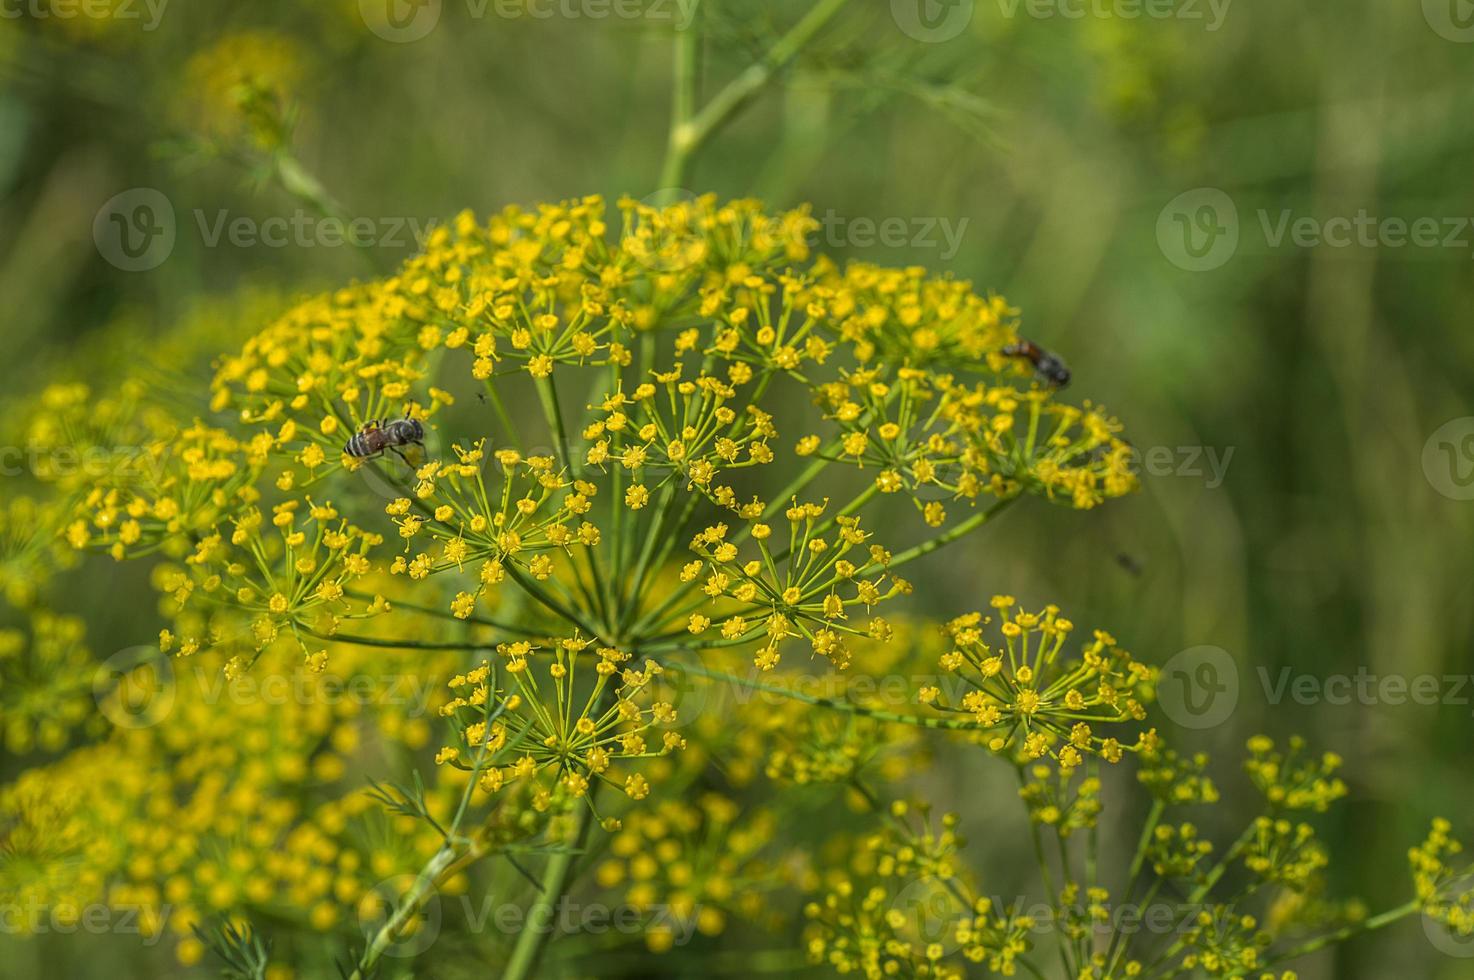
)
(1048, 367)
(373, 438)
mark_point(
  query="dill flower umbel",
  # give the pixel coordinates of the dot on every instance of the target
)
(1032, 698)
(551, 727)
(667, 452)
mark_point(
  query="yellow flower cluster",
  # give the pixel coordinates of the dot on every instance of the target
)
(238, 88)
(696, 864)
(1441, 888)
(902, 909)
(293, 576)
(1291, 780)
(597, 393)
(1032, 698)
(535, 717)
(806, 588)
(215, 797)
(45, 682)
(519, 527)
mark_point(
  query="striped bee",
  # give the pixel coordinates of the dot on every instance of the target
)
(373, 438)
(1048, 367)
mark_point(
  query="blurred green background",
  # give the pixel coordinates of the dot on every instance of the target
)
(1070, 159)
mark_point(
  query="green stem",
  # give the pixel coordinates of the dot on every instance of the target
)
(592, 594)
(369, 641)
(952, 534)
(1138, 861)
(1347, 932)
(302, 184)
(418, 894)
(836, 704)
(688, 136)
(538, 927)
(683, 102)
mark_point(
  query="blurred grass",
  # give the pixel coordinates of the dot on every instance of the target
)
(1059, 142)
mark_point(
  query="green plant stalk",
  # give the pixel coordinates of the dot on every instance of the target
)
(455, 853)
(1341, 935)
(1201, 892)
(1138, 860)
(683, 101)
(952, 534)
(547, 395)
(837, 704)
(631, 594)
(1044, 874)
(537, 931)
(687, 136)
(413, 900)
